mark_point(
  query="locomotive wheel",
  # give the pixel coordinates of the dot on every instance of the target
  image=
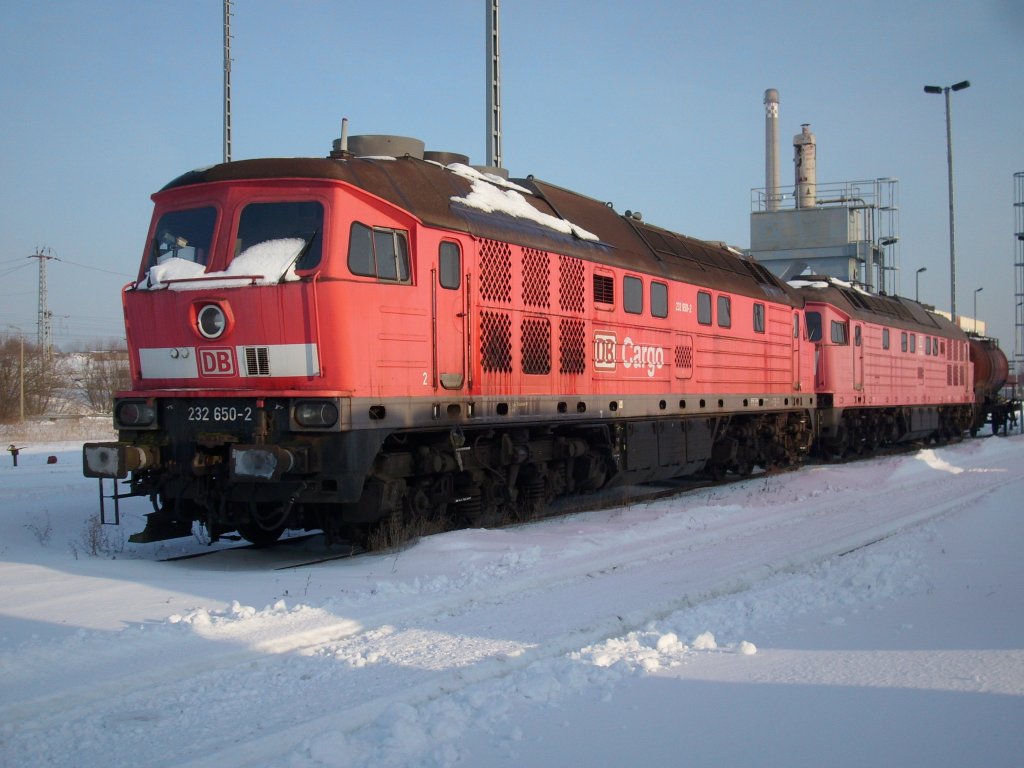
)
(265, 526)
(259, 537)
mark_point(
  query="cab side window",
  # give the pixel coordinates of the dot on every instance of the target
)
(840, 334)
(633, 295)
(703, 308)
(379, 252)
(724, 312)
(659, 299)
(449, 260)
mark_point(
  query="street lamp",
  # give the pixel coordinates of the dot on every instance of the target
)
(917, 283)
(976, 292)
(949, 161)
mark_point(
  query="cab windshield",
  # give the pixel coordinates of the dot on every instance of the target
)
(814, 326)
(270, 222)
(183, 235)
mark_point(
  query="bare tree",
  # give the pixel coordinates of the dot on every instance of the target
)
(102, 376)
(40, 381)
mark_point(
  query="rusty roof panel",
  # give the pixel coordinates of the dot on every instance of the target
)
(426, 190)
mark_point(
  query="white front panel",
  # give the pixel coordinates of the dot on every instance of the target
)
(169, 363)
(259, 361)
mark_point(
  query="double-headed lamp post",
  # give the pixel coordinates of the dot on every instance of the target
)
(976, 292)
(949, 161)
(917, 283)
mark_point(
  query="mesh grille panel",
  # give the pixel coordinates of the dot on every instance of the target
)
(572, 346)
(495, 271)
(683, 358)
(496, 342)
(536, 278)
(536, 345)
(570, 281)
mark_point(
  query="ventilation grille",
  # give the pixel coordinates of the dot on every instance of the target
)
(257, 361)
(683, 357)
(570, 274)
(536, 345)
(495, 271)
(572, 349)
(496, 342)
(536, 278)
(604, 289)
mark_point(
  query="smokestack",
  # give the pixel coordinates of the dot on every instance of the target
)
(771, 148)
(806, 170)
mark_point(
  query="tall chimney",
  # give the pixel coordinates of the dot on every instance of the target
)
(771, 148)
(806, 170)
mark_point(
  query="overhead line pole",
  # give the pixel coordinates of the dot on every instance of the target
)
(493, 86)
(43, 314)
(227, 81)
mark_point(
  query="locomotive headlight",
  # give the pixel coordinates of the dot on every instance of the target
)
(134, 413)
(116, 459)
(211, 321)
(316, 413)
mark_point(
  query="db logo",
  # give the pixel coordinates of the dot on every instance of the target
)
(216, 361)
(604, 351)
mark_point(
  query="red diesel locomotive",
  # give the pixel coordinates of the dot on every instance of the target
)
(887, 370)
(389, 336)
(329, 343)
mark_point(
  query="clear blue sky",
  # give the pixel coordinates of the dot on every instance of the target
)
(654, 105)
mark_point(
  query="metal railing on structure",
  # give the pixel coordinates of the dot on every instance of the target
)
(876, 220)
(1018, 268)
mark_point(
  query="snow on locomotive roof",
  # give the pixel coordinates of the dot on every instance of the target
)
(265, 263)
(468, 172)
(491, 193)
(485, 196)
(807, 283)
(825, 281)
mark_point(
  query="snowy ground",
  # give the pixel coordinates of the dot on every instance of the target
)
(858, 615)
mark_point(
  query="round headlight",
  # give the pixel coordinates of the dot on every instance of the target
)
(316, 413)
(135, 413)
(211, 321)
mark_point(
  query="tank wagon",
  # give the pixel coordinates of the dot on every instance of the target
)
(389, 335)
(991, 372)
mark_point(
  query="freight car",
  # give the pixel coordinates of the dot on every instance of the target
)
(387, 335)
(991, 372)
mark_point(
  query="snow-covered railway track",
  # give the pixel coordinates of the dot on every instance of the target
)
(219, 679)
